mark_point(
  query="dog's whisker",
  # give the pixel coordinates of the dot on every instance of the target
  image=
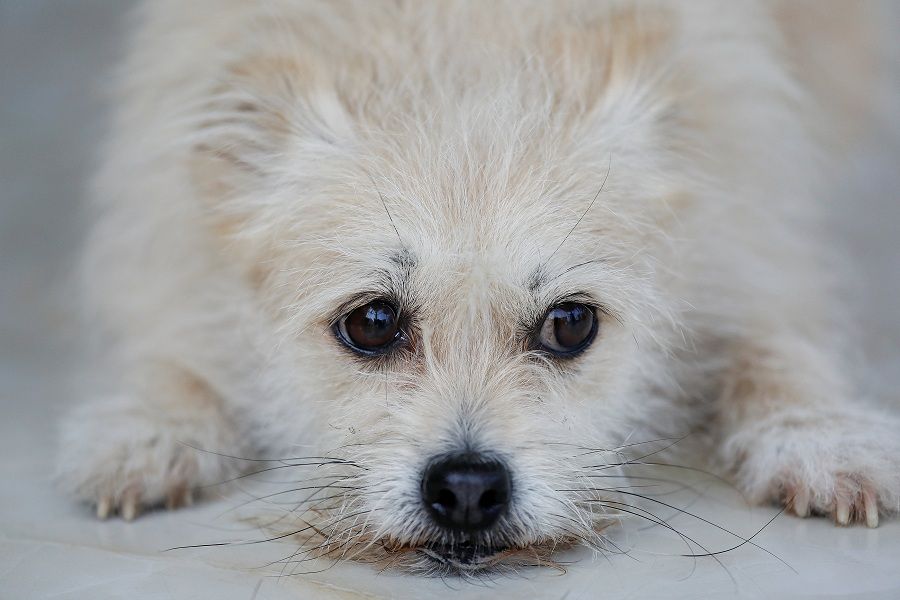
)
(246, 543)
(586, 211)
(313, 460)
(267, 470)
(704, 520)
(590, 450)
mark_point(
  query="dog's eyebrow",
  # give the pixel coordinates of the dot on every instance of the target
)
(540, 278)
(404, 259)
(397, 277)
(537, 279)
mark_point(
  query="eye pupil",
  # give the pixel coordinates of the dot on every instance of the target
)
(571, 326)
(568, 328)
(371, 327)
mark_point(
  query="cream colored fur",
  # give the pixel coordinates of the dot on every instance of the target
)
(271, 161)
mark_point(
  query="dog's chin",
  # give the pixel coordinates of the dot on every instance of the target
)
(468, 557)
(465, 556)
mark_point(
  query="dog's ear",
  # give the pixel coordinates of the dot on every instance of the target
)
(256, 147)
(266, 118)
(609, 54)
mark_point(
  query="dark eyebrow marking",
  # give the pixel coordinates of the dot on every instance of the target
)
(539, 276)
(537, 279)
(404, 259)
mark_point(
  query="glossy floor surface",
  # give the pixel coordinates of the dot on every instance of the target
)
(54, 58)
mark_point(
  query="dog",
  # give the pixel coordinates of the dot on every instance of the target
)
(459, 258)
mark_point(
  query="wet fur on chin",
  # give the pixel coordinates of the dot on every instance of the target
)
(281, 163)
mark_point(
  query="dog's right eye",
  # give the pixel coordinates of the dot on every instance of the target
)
(371, 328)
(568, 329)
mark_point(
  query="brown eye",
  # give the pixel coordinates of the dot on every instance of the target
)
(568, 329)
(371, 328)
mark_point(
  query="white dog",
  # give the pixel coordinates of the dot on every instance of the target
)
(447, 247)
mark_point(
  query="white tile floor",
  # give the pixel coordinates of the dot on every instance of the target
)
(54, 57)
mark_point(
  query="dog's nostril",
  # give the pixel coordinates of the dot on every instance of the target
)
(488, 499)
(446, 499)
(466, 492)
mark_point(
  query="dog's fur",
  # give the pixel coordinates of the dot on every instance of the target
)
(273, 164)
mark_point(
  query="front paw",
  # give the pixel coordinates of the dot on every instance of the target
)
(123, 457)
(842, 466)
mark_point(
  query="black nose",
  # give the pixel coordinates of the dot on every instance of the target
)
(466, 492)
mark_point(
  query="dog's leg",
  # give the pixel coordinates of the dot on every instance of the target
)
(151, 445)
(792, 433)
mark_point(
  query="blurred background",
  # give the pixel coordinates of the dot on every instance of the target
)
(55, 59)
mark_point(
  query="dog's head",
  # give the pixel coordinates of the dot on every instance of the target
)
(463, 235)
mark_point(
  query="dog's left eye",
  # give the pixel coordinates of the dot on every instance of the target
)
(568, 328)
(371, 328)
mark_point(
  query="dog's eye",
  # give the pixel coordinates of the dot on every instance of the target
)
(371, 328)
(568, 329)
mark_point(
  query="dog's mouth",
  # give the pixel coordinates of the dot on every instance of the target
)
(465, 555)
(471, 557)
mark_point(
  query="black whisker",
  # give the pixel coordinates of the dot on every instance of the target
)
(680, 485)
(589, 451)
(696, 470)
(384, 204)
(686, 539)
(251, 542)
(267, 469)
(573, 267)
(592, 544)
(587, 210)
(749, 541)
(315, 460)
(318, 488)
(708, 522)
(640, 458)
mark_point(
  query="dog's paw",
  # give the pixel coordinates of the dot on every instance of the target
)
(842, 466)
(123, 457)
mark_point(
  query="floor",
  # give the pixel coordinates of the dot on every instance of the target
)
(53, 61)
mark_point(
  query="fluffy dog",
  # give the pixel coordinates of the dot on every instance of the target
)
(463, 254)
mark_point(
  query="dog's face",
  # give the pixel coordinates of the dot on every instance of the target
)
(467, 349)
(463, 274)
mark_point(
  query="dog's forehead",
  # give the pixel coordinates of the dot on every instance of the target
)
(498, 229)
(501, 201)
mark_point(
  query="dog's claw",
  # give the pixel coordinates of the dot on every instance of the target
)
(178, 497)
(801, 502)
(842, 513)
(130, 507)
(104, 508)
(870, 506)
